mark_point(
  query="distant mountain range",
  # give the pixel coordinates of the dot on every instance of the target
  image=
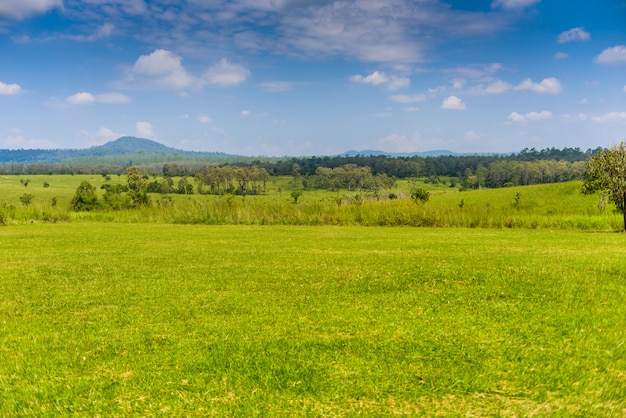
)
(129, 150)
(434, 153)
(120, 151)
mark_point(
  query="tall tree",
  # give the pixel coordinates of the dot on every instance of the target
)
(137, 186)
(606, 171)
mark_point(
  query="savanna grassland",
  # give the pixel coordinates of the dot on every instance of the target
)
(505, 302)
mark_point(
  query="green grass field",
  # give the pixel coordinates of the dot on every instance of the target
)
(553, 206)
(142, 319)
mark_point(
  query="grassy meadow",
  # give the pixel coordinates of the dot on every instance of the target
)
(505, 302)
(144, 319)
(554, 206)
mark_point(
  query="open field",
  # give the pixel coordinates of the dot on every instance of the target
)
(553, 206)
(152, 319)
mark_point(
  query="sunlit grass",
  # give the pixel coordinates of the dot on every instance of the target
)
(553, 206)
(145, 319)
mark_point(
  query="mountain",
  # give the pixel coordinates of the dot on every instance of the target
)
(434, 153)
(123, 150)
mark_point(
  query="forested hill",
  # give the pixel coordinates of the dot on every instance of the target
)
(122, 149)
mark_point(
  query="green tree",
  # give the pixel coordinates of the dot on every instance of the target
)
(420, 195)
(295, 195)
(606, 171)
(85, 199)
(26, 199)
(137, 187)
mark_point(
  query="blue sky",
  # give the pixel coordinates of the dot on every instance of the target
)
(314, 77)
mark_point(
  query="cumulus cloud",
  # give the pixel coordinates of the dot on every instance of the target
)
(162, 68)
(546, 86)
(378, 78)
(610, 117)
(574, 34)
(86, 98)
(21, 9)
(495, 87)
(205, 119)
(530, 116)
(81, 98)
(453, 103)
(225, 73)
(144, 130)
(106, 135)
(9, 89)
(244, 113)
(101, 136)
(561, 55)
(513, 4)
(498, 87)
(613, 55)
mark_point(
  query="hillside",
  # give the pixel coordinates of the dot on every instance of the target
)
(120, 149)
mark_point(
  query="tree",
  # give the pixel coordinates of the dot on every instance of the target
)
(606, 171)
(85, 198)
(420, 195)
(26, 199)
(137, 187)
(295, 195)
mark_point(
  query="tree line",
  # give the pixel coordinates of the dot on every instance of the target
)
(530, 166)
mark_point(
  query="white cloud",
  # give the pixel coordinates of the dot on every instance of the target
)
(411, 109)
(106, 135)
(561, 55)
(498, 87)
(624, 88)
(376, 78)
(225, 73)
(144, 130)
(162, 68)
(205, 119)
(610, 117)
(406, 98)
(102, 136)
(398, 82)
(495, 87)
(9, 89)
(244, 113)
(530, 116)
(513, 4)
(81, 98)
(574, 34)
(453, 103)
(86, 98)
(20, 9)
(546, 86)
(613, 55)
